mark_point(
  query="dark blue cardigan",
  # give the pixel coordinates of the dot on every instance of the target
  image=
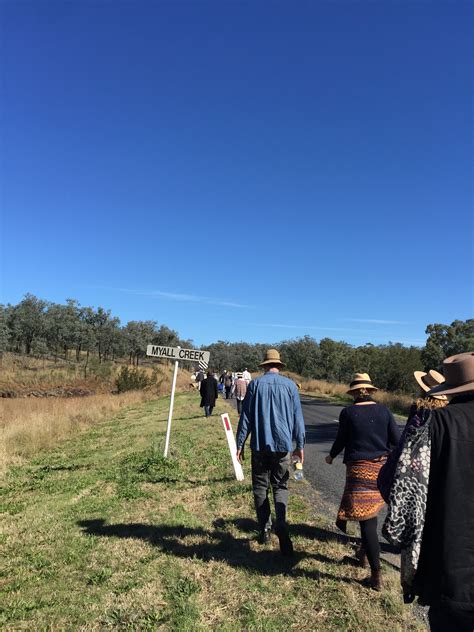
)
(366, 431)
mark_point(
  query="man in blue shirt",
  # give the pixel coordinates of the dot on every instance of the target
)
(272, 415)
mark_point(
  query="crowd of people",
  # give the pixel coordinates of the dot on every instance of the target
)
(425, 474)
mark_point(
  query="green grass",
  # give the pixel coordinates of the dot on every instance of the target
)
(104, 533)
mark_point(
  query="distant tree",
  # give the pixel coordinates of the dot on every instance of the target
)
(447, 340)
(26, 322)
(336, 360)
(137, 335)
(301, 355)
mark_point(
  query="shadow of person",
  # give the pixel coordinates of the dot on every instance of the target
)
(216, 544)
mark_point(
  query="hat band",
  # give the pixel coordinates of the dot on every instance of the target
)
(355, 382)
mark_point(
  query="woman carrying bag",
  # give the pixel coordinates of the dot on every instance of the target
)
(367, 434)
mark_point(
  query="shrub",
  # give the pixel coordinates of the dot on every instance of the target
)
(132, 379)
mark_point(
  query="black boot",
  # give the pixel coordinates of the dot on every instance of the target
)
(286, 545)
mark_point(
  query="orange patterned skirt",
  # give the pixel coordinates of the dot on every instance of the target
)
(361, 499)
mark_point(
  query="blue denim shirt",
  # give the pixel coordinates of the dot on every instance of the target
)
(271, 413)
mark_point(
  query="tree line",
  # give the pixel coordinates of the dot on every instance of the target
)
(41, 328)
(72, 331)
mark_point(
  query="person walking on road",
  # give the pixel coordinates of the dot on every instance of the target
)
(240, 390)
(209, 393)
(431, 507)
(367, 433)
(272, 415)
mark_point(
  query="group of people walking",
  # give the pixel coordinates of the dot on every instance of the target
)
(233, 385)
(425, 474)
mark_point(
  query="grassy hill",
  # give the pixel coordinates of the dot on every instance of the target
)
(103, 533)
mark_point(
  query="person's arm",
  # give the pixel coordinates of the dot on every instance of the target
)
(216, 391)
(243, 429)
(298, 425)
(341, 438)
(393, 432)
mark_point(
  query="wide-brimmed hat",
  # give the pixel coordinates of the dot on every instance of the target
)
(272, 356)
(459, 375)
(429, 380)
(361, 380)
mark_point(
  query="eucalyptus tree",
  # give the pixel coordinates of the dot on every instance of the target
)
(26, 322)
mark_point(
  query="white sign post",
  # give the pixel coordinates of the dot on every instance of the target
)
(177, 354)
(239, 473)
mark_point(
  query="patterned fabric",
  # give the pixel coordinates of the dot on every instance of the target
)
(361, 499)
(405, 519)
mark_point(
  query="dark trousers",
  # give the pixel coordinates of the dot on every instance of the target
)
(444, 619)
(239, 405)
(227, 392)
(370, 542)
(208, 410)
(270, 469)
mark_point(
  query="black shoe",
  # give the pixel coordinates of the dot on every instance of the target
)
(286, 545)
(264, 536)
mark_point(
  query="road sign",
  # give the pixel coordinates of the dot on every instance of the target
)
(176, 353)
(239, 473)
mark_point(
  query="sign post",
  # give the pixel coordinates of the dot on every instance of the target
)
(177, 354)
(239, 473)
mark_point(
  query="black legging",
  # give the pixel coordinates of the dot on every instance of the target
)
(370, 542)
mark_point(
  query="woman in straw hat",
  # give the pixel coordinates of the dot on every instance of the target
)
(419, 413)
(367, 433)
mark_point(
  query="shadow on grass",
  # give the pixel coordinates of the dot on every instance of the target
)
(220, 545)
(313, 533)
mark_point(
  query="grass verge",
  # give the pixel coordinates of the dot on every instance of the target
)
(103, 533)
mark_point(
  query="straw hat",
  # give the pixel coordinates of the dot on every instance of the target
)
(429, 380)
(361, 380)
(459, 373)
(272, 356)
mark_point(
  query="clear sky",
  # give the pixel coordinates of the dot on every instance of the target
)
(241, 170)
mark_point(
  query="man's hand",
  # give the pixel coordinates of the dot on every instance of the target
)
(300, 454)
(239, 456)
(328, 459)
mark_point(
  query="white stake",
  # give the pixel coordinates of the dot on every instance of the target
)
(170, 414)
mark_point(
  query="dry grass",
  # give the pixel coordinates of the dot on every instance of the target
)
(397, 402)
(29, 424)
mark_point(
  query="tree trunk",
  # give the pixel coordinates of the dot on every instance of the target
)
(87, 362)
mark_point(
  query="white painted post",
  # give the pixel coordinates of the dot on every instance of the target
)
(239, 473)
(170, 414)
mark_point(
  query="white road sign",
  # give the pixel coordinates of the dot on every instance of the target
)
(176, 353)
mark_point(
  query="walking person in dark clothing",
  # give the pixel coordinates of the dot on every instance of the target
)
(432, 502)
(367, 433)
(228, 384)
(273, 417)
(209, 393)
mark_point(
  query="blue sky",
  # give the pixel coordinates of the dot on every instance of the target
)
(241, 170)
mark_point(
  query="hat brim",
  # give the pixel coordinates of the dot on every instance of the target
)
(370, 387)
(419, 375)
(449, 389)
(265, 362)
